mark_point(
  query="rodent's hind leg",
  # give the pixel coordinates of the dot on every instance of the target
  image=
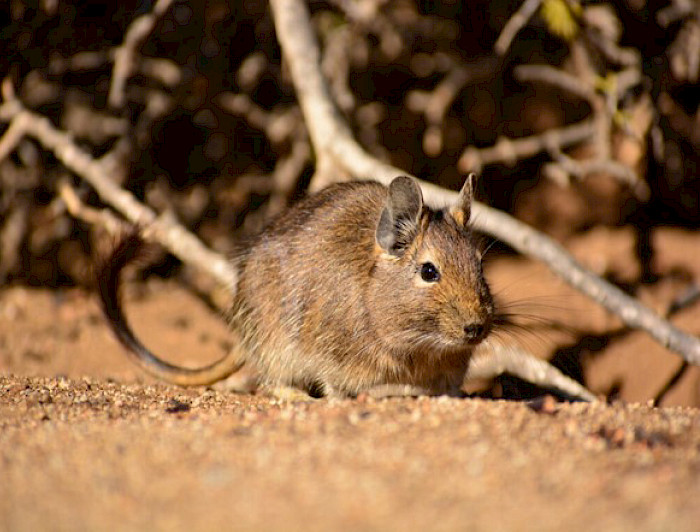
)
(243, 381)
(383, 391)
(289, 394)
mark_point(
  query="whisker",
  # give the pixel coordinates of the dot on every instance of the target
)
(526, 338)
(538, 322)
(488, 247)
(506, 319)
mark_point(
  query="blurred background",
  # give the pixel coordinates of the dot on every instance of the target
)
(207, 126)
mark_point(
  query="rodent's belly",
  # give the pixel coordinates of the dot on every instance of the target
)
(285, 351)
(292, 364)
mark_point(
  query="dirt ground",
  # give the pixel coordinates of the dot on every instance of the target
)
(87, 442)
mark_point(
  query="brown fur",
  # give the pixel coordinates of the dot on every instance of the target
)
(320, 304)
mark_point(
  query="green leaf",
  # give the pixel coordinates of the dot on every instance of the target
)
(560, 18)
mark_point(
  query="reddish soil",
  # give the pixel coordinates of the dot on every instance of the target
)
(87, 442)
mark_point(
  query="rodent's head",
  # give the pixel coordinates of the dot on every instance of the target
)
(427, 288)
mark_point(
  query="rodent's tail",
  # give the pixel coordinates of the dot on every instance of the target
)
(108, 280)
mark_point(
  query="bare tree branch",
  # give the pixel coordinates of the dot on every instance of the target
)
(286, 174)
(494, 360)
(530, 242)
(677, 10)
(168, 233)
(582, 169)
(557, 78)
(161, 69)
(124, 62)
(12, 136)
(509, 151)
(99, 217)
(679, 120)
(515, 24)
(331, 136)
(278, 126)
(435, 104)
(604, 106)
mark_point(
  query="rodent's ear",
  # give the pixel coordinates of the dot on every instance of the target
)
(398, 224)
(462, 211)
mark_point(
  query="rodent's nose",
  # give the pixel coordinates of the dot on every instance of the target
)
(476, 331)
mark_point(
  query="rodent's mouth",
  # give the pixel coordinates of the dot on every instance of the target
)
(444, 344)
(472, 337)
(477, 332)
(472, 342)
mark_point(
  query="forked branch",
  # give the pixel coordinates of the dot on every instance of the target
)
(167, 232)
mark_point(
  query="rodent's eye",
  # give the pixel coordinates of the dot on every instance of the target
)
(429, 272)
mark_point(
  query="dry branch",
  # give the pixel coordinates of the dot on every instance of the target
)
(435, 104)
(124, 56)
(603, 107)
(286, 174)
(557, 78)
(168, 233)
(515, 24)
(12, 137)
(679, 120)
(509, 151)
(678, 9)
(331, 139)
(582, 169)
(98, 217)
(496, 360)
(336, 67)
(278, 126)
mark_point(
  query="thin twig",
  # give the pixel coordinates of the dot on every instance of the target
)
(436, 103)
(336, 66)
(679, 120)
(617, 54)
(582, 169)
(12, 136)
(168, 233)
(555, 77)
(278, 126)
(286, 175)
(671, 383)
(124, 62)
(97, 217)
(585, 70)
(515, 24)
(163, 70)
(625, 80)
(509, 151)
(687, 298)
(330, 135)
(677, 10)
(603, 106)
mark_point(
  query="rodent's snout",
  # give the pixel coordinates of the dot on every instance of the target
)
(477, 331)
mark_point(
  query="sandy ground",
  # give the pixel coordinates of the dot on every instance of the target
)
(93, 455)
(87, 442)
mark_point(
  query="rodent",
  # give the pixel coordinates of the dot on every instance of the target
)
(357, 287)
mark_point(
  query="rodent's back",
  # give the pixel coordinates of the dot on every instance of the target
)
(300, 304)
